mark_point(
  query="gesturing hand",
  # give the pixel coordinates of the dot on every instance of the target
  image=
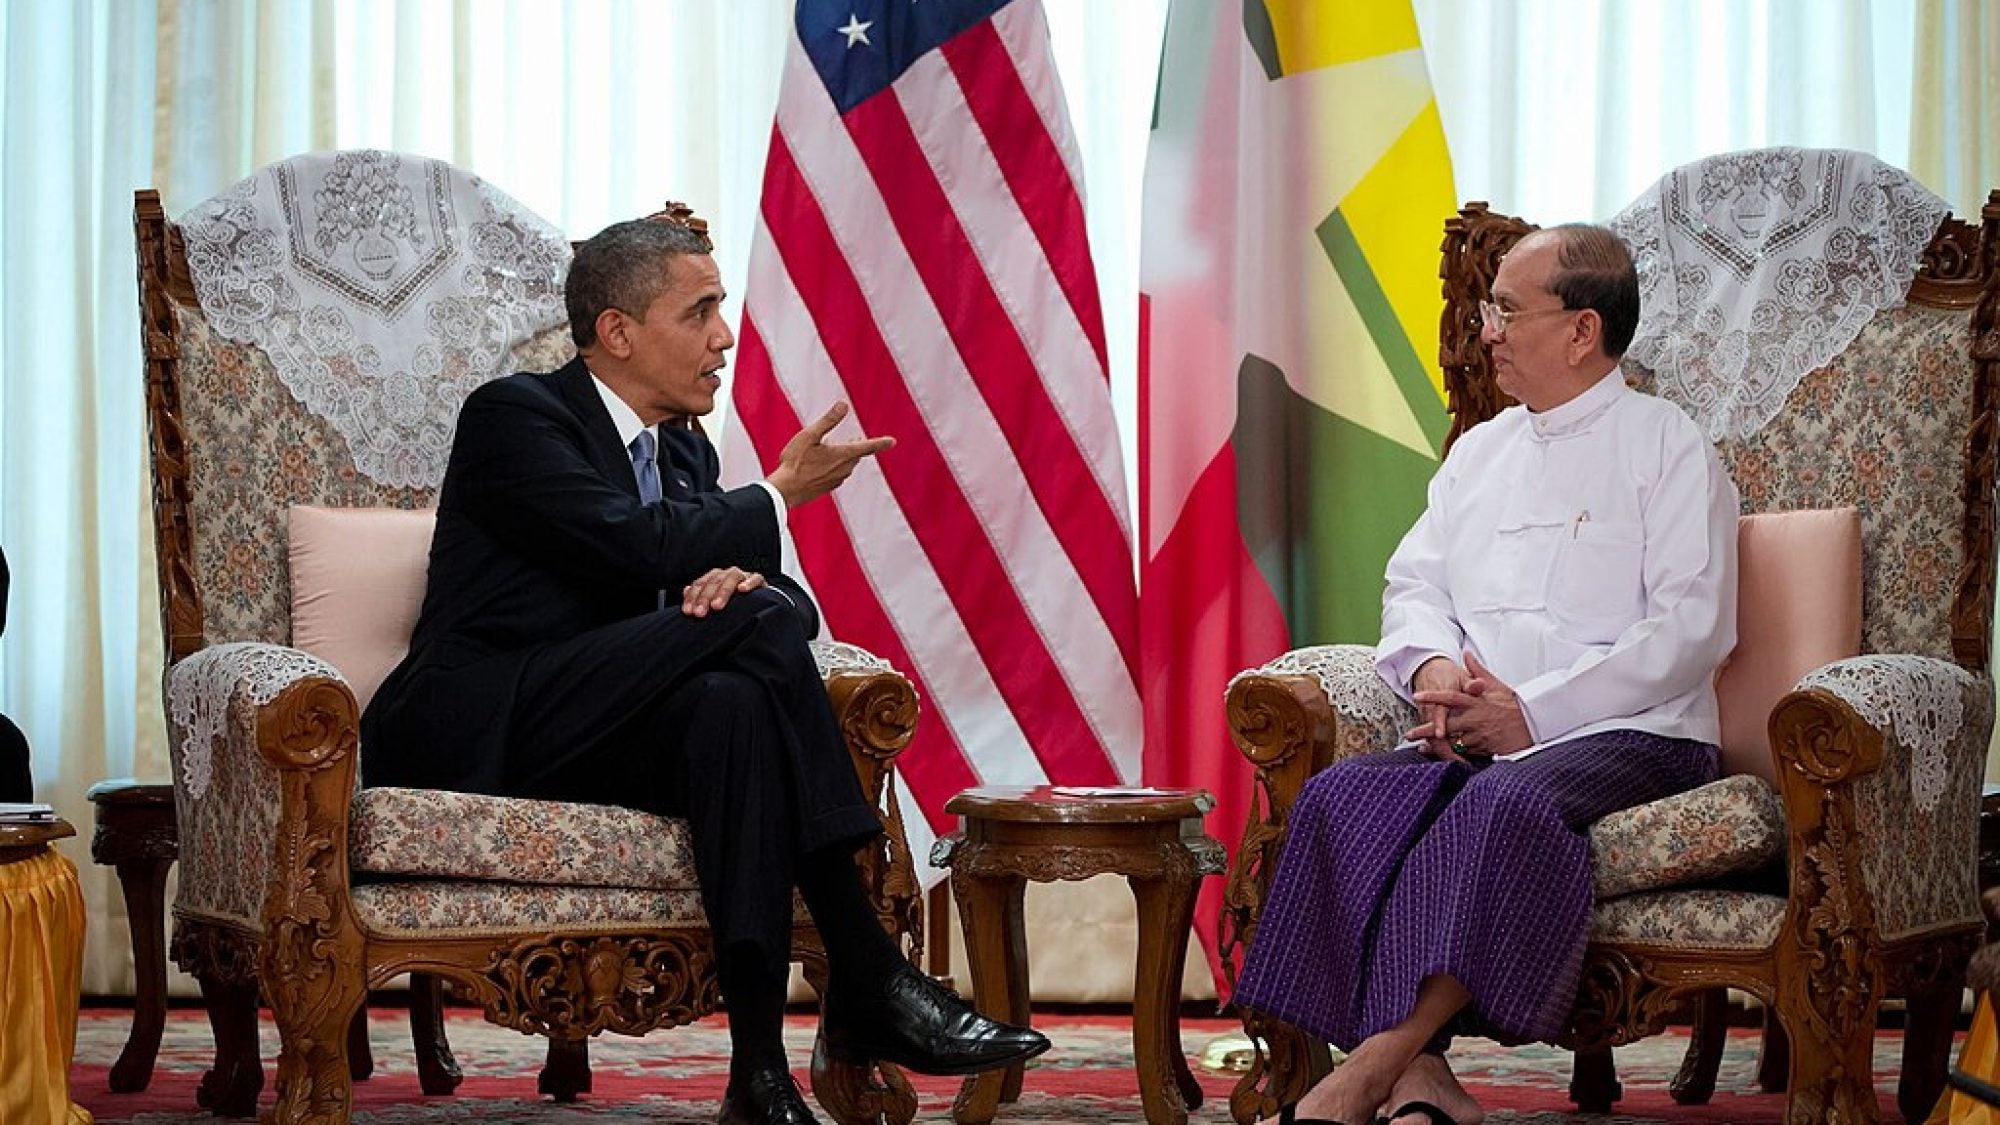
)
(713, 590)
(1483, 717)
(810, 466)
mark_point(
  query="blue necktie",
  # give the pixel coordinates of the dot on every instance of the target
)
(646, 466)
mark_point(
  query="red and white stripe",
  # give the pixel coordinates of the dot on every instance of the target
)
(925, 258)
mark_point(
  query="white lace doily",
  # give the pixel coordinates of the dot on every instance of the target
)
(384, 288)
(1347, 674)
(198, 695)
(832, 656)
(1920, 702)
(1757, 267)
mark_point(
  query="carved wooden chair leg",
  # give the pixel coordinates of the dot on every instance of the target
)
(1287, 1062)
(231, 1087)
(1832, 1075)
(360, 1056)
(1593, 1080)
(437, 1068)
(566, 1071)
(850, 1094)
(1931, 1016)
(1695, 1083)
(1774, 1055)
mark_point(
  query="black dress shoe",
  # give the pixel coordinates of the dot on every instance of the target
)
(767, 1097)
(922, 1025)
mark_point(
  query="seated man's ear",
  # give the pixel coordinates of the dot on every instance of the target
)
(613, 337)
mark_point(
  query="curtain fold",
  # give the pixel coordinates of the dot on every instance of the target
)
(1955, 115)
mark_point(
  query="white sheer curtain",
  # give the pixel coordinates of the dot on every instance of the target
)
(1566, 110)
(593, 110)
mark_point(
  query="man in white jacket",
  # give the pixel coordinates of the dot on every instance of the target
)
(1557, 615)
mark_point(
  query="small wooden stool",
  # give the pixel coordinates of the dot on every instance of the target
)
(1154, 838)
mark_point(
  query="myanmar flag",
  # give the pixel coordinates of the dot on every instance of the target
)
(1291, 407)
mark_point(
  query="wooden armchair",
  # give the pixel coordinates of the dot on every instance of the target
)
(1876, 894)
(559, 920)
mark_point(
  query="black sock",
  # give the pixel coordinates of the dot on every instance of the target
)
(859, 952)
(753, 992)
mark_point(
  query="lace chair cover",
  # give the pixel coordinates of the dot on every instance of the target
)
(383, 287)
(1796, 249)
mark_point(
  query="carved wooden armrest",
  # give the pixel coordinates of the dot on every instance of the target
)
(264, 741)
(876, 709)
(1292, 718)
(1880, 760)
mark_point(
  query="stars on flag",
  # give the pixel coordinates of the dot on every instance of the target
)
(856, 30)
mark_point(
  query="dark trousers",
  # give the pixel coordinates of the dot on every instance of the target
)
(722, 720)
(15, 784)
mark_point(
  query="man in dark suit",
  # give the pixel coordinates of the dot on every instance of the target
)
(15, 783)
(603, 623)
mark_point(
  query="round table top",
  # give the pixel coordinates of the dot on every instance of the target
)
(1079, 804)
(19, 839)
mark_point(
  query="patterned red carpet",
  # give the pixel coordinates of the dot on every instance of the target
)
(678, 1077)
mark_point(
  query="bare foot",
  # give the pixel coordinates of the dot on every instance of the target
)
(1356, 1089)
(1429, 1079)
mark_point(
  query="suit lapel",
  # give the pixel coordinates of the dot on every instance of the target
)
(579, 393)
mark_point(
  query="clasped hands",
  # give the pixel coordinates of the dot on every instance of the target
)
(808, 467)
(1467, 711)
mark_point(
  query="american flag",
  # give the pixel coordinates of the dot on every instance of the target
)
(920, 252)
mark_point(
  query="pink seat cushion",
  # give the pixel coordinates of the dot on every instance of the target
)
(358, 577)
(1798, 607)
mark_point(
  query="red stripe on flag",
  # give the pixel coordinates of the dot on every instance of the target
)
(935, 765)
(1032, 165)
(1207, 614)
(954, 540)
(998, 361)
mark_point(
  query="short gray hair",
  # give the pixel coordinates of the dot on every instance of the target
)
(1594, 271)
(620, 268)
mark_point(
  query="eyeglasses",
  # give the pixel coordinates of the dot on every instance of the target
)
(1500, 320)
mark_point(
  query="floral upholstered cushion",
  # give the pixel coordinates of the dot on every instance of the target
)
(441, 835)
(1702, 918)
(1735, 824)
(414, 909)
(417, 909)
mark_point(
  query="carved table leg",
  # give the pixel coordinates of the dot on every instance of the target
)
(1166, 907)
(231, 1087)
(144, 883)
(437, 1069)
(1593, 1081)
(1695, 1083)
(989, 911)
(566, 1071)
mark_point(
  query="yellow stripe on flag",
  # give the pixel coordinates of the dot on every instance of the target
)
(1316, 33)
(1396, 212)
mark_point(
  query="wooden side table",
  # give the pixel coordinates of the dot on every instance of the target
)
(1154, 838)
(138, 836)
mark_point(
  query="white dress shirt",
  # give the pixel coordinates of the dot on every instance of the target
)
(627, 422)
(1587, 556)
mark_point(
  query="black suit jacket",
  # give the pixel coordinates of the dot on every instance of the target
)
(541, 537)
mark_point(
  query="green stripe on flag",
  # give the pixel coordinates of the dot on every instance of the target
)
(1351, 264)
(1322, 503)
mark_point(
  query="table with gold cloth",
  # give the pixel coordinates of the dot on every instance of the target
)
(41, 975)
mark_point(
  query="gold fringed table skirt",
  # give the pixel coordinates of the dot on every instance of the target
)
(41, 976)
